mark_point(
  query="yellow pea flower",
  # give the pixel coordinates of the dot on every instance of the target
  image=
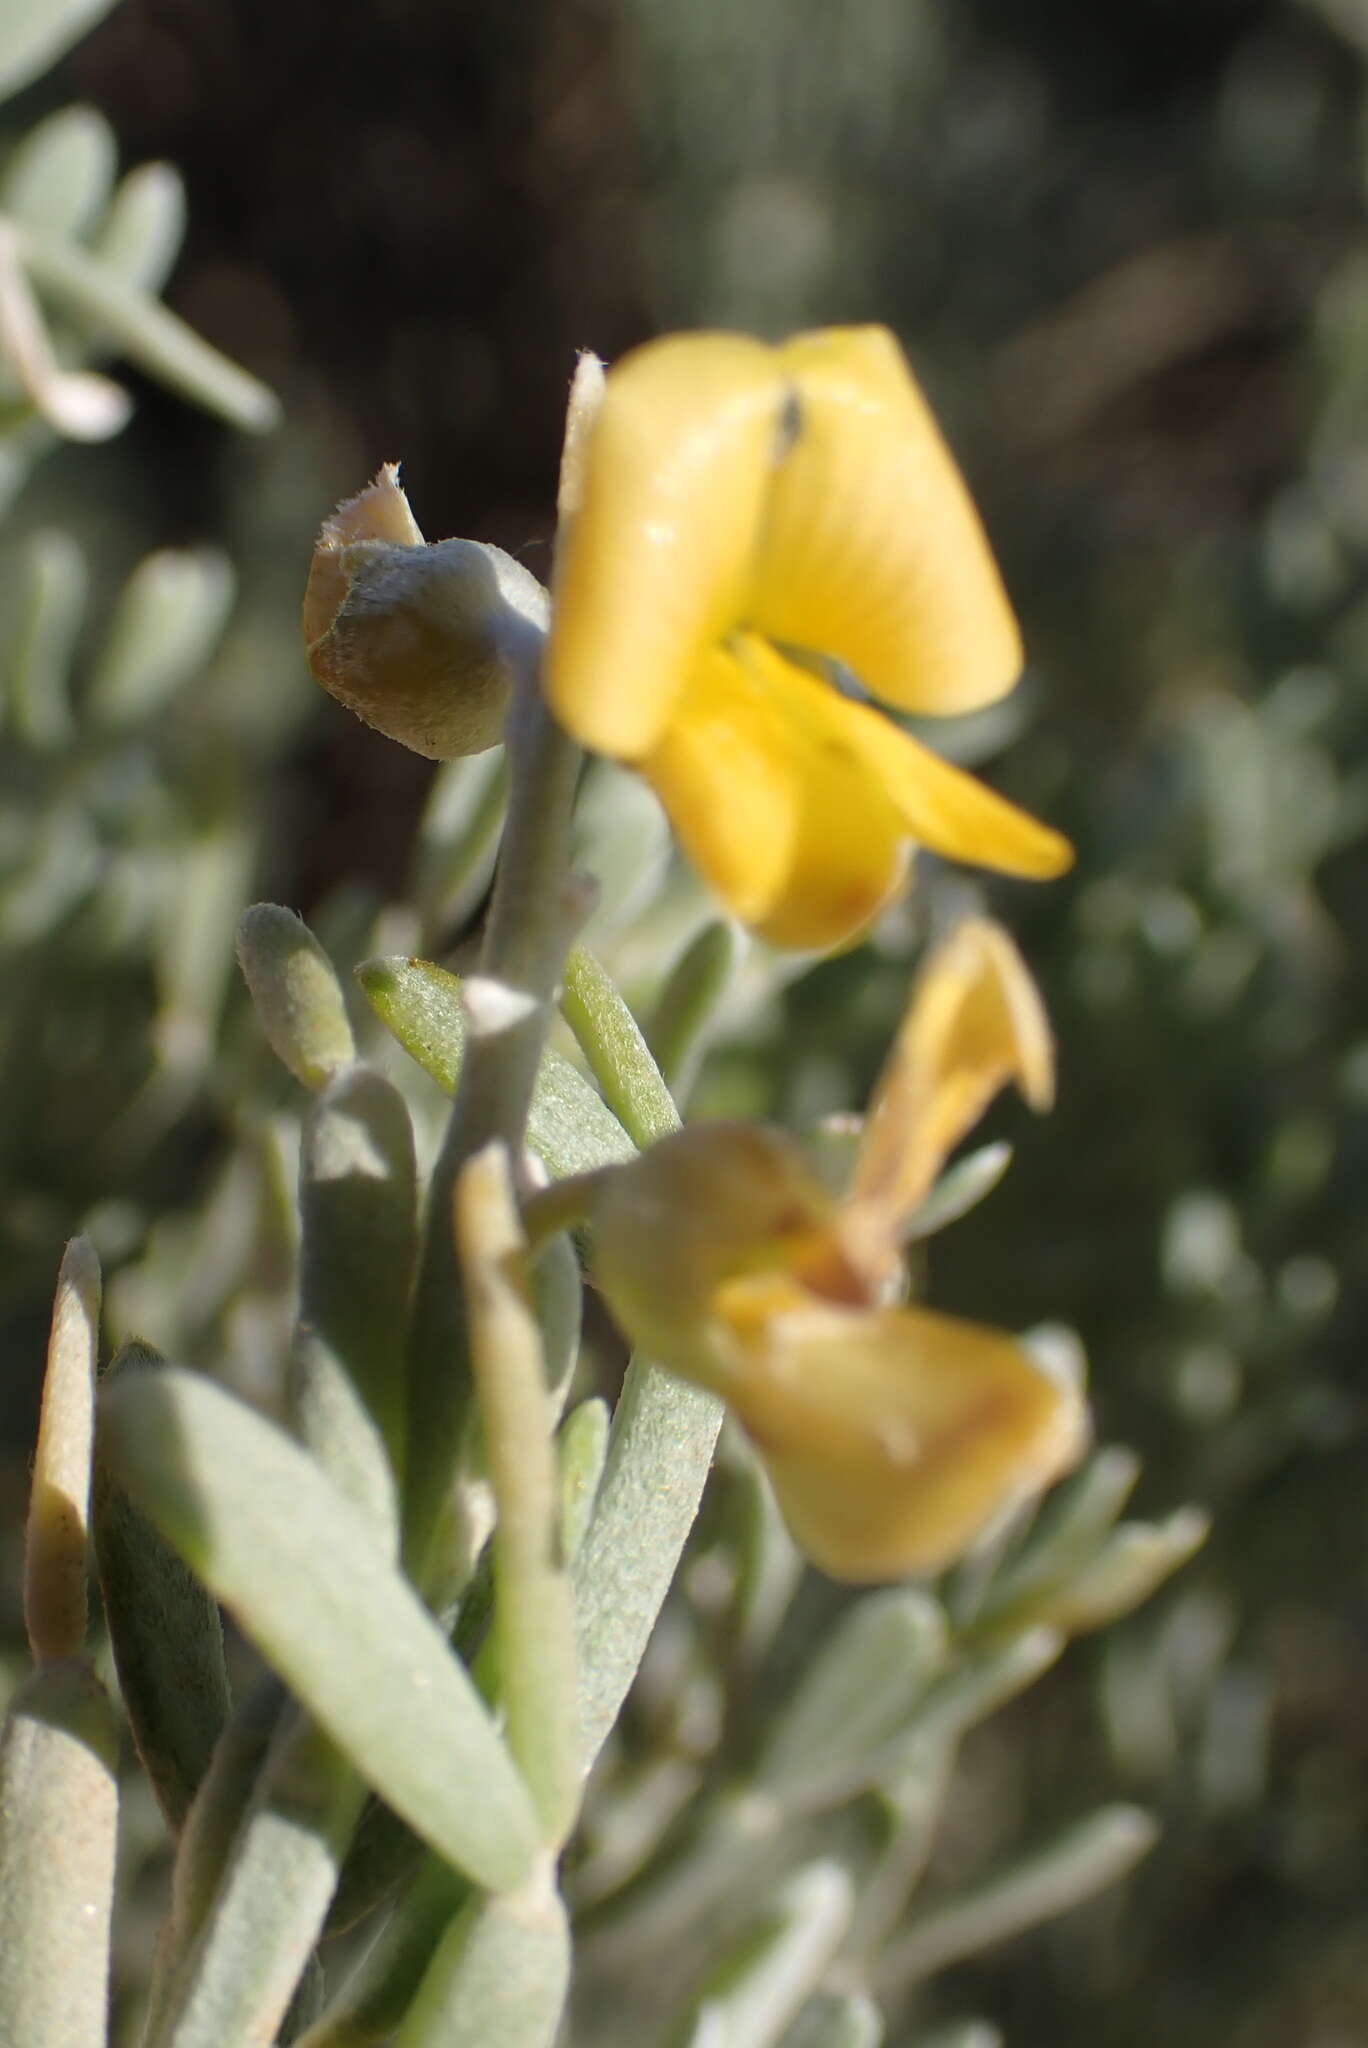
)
(894, 1436)
(741, 512)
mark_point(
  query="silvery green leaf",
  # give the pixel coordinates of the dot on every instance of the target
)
(570, 1128)
(358, 1202)
(299, 1570)
(500, 1975)
(59, 1752)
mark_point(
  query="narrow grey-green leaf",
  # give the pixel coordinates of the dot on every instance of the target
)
(100, 300)
(858, 1691)
(62, 173)
(34, 33)
(500, 1975)
(761, 1987)
(297, 995)
(169, 619)
(141, 234)
(58, 1756)
(569, 1128)
(837, 2019)
(165, 1633)
(1047, 1881)
(358, 1202)
(659, 1455)
(235, 1981)
(298, 1568)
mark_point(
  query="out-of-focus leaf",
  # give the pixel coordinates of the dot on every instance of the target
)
(1048, 1881)
(34, 33)
(193, 953)
(762, 1986)
(458, 839)
(169, 618)
(59, 1499)
(51, 608)
(98, 299)
(58, 1756)
(856, 1693)
(60, 177)
(165, 1632)
(1067, 1531)
(1135, 1559)
(570, 1128)
(298, 1568)
(689, 998)
(844, 2019)
(141, 234)
(959, 1190)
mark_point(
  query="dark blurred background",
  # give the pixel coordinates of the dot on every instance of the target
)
(1125, 250)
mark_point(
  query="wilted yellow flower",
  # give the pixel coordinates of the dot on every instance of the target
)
(424, 640)
(746, 515)
(894, 1436)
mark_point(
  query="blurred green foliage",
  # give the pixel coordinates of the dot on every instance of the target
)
(1125, 249)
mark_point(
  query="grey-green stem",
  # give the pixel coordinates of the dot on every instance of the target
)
(532, 917)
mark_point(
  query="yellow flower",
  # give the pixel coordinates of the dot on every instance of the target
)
(746, 513)
(894, 1437)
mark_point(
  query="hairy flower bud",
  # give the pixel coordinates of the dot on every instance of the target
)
(422, 640)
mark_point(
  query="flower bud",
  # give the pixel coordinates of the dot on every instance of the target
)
(424, 641)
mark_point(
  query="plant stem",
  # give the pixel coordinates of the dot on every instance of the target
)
(531, 919)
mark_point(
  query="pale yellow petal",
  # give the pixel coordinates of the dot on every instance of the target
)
(709, 1203)
(952, 813)
(653, 568)
(789, 824)
(975, 1022)
(894, 1438)
(872, 550)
